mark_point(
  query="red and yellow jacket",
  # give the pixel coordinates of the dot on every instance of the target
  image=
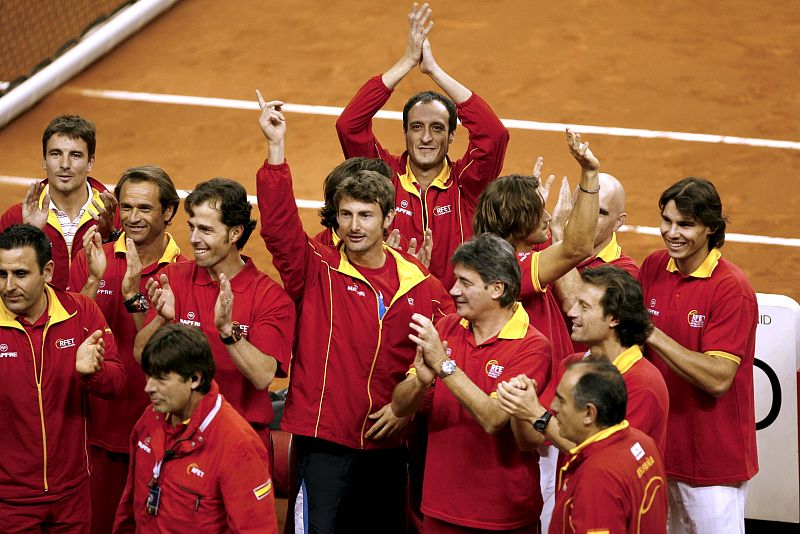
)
(449, 203)
(61, 255)
(43, 448)
(217, 481)
(347, 361)
(613, 483)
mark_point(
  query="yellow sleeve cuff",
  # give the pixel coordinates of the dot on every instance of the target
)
(719, 354)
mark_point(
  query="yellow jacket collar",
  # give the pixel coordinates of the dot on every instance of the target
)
(706, 268)
(88, 208)
(629, 356)
(55, 310)
(409, 181)
(600, 436)
(515, 328)
(612, 251)
(407, 272)
(171, 252)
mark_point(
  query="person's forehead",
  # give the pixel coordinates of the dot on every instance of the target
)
(465, 272)
(671, 209)
(206, 212)
(590, 293)
(139, 191)
(63, 142)
(347, 203)
(18, 258)
(430, 111)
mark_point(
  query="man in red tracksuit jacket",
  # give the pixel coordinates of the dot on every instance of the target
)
(68, 202)
(196, 464)
(431, 191)
(55, 347)
(355, 304)
(614, 480)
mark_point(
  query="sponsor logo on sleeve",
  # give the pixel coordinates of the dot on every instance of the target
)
(263, 490)
(637, 451)
(144, 445)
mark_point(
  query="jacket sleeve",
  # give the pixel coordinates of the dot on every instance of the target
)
(106, 383)
(78, 273)
(282, 229)
(272, 331)
(441, 299)
(247, 490)
(12, 216)
(488, 139)
(354, 125)
(124, 521)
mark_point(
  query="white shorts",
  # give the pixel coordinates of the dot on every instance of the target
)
(706, 509)
(548, 460)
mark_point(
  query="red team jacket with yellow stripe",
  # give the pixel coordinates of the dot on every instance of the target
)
(449, 203)
(217, 481)
(613, 483)
(43, 398)
(62, 256)
(347, 360)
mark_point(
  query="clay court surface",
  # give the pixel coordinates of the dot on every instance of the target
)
(715, 67)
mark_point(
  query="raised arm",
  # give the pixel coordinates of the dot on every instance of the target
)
(281, 227)
(578, 243)
(419, 25)
(162, 311)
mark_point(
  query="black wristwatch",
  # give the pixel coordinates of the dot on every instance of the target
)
(137, 303)
(236, 334)
(541, 423)
(113, 235)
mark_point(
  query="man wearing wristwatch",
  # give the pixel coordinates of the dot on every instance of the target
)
(610, 317)
(68, 201)
(465, 356)
(247, 317)
(114, 275)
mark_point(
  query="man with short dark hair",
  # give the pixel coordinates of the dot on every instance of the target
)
(356, 301)
(705, 314)
(609, 316)
(614, 480)
(474, 480)
(196, 464)
(68, 201)
(115, 276)
(55, 347)
(247, 317)
(431, 192)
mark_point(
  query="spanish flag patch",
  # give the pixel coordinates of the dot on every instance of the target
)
(263, 490)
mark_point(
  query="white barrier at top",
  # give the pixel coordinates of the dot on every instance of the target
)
(774, 493)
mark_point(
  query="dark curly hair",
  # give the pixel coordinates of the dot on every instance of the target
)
(698, 198)
(229, 198)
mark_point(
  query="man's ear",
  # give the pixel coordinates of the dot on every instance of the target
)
(235, 232)
(623, 217)
(195, 380)
(589, 414)
(498, 288)
(387, 221)
(49, 267)
(451, 136)
(90, 164)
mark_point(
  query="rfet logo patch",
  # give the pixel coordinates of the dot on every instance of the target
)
(696, 320)
(65, 343)
(194, 469)
(494, 369)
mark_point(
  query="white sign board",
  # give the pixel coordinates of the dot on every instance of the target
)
(774, 493)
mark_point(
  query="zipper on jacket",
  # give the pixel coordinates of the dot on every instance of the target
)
(38, 377)
(196, 495)
(374, 356)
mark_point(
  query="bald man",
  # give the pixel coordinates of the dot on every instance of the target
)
(612, 216)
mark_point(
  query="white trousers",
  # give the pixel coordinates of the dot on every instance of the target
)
(706, 509)
(548, 460)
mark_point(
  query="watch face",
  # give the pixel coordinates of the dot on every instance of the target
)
(448, 367)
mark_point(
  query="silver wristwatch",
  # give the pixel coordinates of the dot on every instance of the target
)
(448, 368)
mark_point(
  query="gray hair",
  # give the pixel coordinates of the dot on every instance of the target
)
(493, 258)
